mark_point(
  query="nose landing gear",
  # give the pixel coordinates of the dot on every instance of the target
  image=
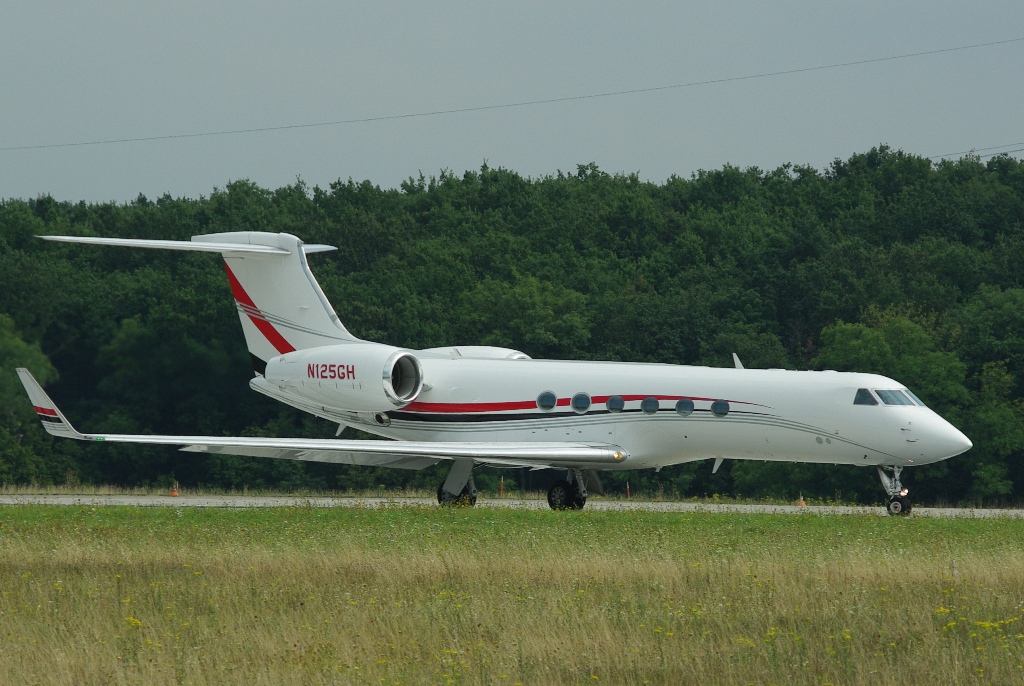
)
(897, 503)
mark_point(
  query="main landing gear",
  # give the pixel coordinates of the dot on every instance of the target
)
(570, 494)
(466, 498)
(897, 503)
(458, 489)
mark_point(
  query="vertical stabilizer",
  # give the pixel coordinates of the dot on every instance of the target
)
(280, 304)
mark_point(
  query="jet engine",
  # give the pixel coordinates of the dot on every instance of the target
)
(362, 377)
(475, 352)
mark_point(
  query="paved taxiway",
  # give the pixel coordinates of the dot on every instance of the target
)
(239, 501)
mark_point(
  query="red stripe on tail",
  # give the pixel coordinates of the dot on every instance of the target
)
(265, 327)
(45, 410)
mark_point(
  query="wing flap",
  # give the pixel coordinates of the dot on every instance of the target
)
(394, 461)
(400, 454)
(388, 453)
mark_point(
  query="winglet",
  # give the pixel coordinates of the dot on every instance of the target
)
(53, 420)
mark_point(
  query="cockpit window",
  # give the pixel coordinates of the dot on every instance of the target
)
(894, 397)
(914, 397)
(864, 397)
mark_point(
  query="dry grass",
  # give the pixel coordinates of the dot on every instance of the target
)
(424, 595)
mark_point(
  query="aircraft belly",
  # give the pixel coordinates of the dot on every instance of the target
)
(662, 440)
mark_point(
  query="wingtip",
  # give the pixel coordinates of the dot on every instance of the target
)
(53, 420)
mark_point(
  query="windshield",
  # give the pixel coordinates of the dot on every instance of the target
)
(914, 397)
(894, 397)
(864, 397)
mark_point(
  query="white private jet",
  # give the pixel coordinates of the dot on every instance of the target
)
(484, 406)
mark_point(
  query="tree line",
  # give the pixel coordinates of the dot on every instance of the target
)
(885, 262)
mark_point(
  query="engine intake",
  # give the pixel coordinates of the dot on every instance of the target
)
(403, 378)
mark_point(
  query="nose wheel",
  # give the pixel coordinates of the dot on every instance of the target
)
(897, 503)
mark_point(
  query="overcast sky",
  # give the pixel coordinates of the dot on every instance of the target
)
(84, 71)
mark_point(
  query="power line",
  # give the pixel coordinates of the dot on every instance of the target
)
(1002, 152)
(976, 150)
(524, 103)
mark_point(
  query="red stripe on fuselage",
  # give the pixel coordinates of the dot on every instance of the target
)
(471, 407)
(47, 411)
(266, 328)
(464, 408)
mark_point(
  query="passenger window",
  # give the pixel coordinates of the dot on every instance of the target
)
(864, 397)
(894, 397)
(649, 405)
(616, 403)
(546, 400)
(684, 407)
(580, 403)
(720, 408)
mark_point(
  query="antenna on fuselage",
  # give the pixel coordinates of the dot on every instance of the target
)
(736, 361)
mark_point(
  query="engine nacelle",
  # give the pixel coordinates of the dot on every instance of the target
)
(364, 377)
(475, 352)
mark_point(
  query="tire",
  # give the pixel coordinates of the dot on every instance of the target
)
(560, 495)
(464, 499)
(898, 506)
(578, 501)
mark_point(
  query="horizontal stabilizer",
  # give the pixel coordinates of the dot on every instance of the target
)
(194, 246)
(280, 304)
(233, 248)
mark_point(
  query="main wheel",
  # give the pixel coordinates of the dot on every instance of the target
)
(560, 496)
(463, 499)
(898, 505)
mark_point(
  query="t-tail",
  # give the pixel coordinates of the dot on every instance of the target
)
(280, 304)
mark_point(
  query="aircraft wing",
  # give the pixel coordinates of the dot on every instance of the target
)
(398, 454)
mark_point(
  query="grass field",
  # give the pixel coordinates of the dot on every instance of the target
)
(412, 595)
(510, 493)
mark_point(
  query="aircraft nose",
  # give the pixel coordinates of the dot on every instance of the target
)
(949, 441)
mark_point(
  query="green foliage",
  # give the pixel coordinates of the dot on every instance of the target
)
(15, 352)
(544, 317)
(22, 446)
(892, 344)
(884, 262)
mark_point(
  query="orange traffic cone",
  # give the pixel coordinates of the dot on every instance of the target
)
(801, 502)
(174, 490)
